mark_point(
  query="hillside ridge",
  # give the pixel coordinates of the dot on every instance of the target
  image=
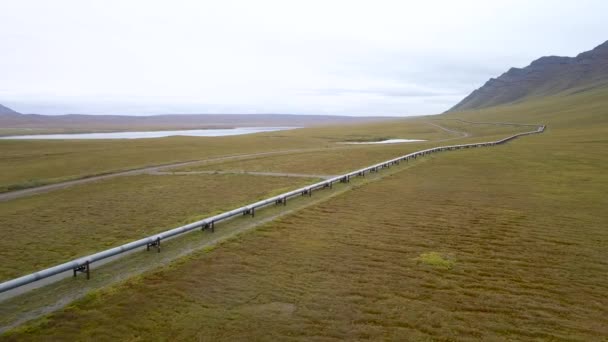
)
(5, 111)
(548, 75)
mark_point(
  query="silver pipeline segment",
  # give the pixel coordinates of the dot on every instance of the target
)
(87, 260)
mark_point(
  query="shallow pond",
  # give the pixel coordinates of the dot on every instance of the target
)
(154, 134)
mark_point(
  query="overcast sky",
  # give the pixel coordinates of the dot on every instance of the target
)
(305, 57)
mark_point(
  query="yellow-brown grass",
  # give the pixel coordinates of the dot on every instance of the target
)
(525, 223)
(25, 164)
(51, 228)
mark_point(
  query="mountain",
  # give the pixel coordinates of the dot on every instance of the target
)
(545, 76)
(6, 111)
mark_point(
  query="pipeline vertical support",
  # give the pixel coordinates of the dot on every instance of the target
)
(86, 268)
(155, 243)
(210, 225)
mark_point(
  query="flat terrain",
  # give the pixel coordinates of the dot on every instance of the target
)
(17, 309)
(505, 242)
(63, 224)
(349, 159)
(106, 211)
(13, 123)
(500, 243)
(27, 164)
(56, 227)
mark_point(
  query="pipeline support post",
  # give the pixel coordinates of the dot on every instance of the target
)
(209, 226)
(86, 268)
(155, 243)
(249, 212)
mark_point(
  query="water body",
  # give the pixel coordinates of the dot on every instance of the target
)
(388, 141)
(153, 134)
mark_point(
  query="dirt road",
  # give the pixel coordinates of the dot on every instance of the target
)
(151, 169)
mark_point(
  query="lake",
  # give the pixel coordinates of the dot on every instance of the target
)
(154, 134)
(388, 141)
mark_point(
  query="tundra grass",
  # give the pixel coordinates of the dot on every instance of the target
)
(331, 162)
(18, 307)
(523, 224)
(64, 225)
(334, 162)
(25, 164)
(51, 228)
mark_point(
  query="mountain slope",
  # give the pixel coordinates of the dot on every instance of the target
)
(545, 76)
(6, 111)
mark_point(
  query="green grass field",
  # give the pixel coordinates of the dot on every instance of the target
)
(499, 243)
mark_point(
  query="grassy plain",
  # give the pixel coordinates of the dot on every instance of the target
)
(522, 227)
(31, 163)
(343, 160)
(25, 164)
(16, 310)
(55, 227)
(331, 162)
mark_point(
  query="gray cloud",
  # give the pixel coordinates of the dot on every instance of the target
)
(338, 57)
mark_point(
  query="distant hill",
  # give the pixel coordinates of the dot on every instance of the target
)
(545, 76)
(6, 111)
(15, 122)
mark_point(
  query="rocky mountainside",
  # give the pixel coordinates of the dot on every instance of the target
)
(545, 76)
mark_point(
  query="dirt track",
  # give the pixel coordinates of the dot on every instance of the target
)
(252, 173)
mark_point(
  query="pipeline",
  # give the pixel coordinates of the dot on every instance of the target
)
(82, 264)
